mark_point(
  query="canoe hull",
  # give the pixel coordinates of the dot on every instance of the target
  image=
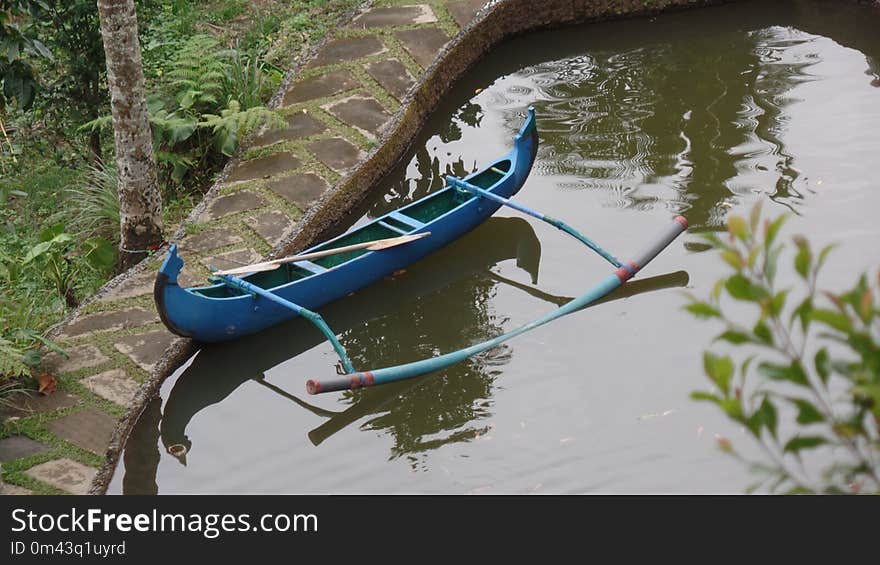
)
(189, 313)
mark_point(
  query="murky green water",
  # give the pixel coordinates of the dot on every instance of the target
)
(698, 113)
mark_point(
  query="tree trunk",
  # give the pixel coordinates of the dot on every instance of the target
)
(140, 203)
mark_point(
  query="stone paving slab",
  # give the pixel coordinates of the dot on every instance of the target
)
(300, 125)
(109, 321)
(27, 404)
(301, 190)
(113, 385)
(264, 167)
(232, 204)
(363, 113)
(329, 84)
(273, 226)
(463, 11)
(137, 285)
(392, 75)
(209, 239)
(336, 153)
(395, 16)
(79, 357)
(64, 474)
(347, 49)
(423, 43)
(232, 259)
(146, 349)
(89, 429)
(16, 447)
(7, 489)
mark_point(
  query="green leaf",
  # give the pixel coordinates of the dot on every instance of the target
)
(778, 302)
(823, 368)
(798, 443)
(703, 310)
(793, 373)
(807, 412)
(733, 259)
(803, 259)
(771, 230)
(741, 288)
(763, 417)
(737, 227)
(832, 319)
(734, 337)
(36, 251)
(804, 313)
(763, 333)
(755, 215)
(719, 370)
(99, 253)
(705, 396)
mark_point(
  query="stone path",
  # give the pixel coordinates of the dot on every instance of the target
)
(336, 111)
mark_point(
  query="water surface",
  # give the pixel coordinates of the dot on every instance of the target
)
(699, 113)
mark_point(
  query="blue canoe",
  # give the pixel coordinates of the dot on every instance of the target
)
(223, 312)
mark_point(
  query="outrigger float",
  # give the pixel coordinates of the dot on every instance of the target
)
(274, 291)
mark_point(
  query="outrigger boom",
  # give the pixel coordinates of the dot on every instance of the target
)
(417, 368)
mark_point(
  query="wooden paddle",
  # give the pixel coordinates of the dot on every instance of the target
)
(375, 245)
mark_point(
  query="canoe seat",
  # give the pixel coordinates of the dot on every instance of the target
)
(309, 266)
(406, 219)
(497, 170)
(393, 227)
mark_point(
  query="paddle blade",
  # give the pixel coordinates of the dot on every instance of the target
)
(394, 241)
(256, 268)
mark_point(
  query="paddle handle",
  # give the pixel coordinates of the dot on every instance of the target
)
(275, 263)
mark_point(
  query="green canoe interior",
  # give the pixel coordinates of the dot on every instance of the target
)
(430, 208)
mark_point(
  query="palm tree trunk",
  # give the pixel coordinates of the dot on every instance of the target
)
(140, 203)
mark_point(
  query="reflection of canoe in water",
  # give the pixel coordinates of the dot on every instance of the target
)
(218, 370)
(224, 312)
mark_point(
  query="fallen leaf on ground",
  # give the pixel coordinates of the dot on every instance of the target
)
(47, 383)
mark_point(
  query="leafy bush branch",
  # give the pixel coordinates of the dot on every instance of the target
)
(812, 355)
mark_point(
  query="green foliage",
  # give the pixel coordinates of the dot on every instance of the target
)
(815, 358)
(93, 204)
(18, 47)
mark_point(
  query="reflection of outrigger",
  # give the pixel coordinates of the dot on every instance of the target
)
(240, 306)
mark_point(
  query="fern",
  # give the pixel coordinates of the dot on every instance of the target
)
(199, 72)
(234, 123)
(12, 360)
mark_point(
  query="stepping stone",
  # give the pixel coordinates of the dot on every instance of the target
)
(232, 204)
(321, 86)
(27, 404)
(209, 239)
(423, 44)
(395, 16)
(392, 75)
(264, 167)
(347, 49)
(16, 447)
(109, 321)
(361, 112)
(463, 11)
(232, 259)
(301, 190)
(299, 125)
(90, 429)
(13, 490)
(113, 385)
(272, 226)
(79, 357)
(336, 153)
(136, 285)
(146, 350)
(64, 474)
